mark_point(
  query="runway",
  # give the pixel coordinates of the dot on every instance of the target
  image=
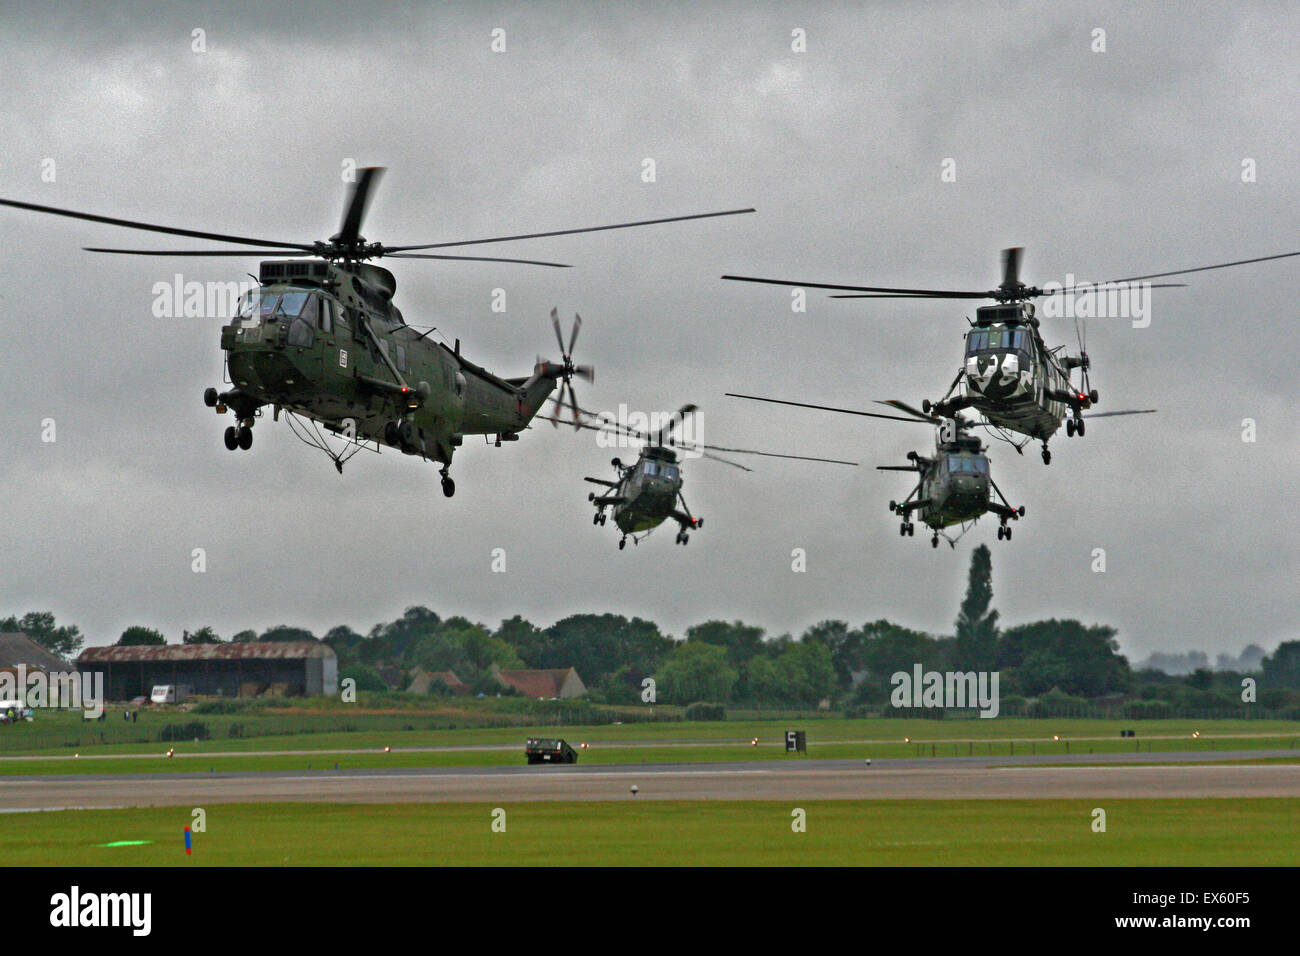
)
(999, 778)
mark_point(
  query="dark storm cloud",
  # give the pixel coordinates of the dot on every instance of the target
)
(1101, 164)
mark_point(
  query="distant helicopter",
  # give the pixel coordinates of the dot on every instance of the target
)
(321, 339)
(954, 486)
(1010, 376)
(649, 491)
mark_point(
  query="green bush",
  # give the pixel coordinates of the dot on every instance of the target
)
(220, 707)
(1146, 709)
(190, 730)
(703, 710)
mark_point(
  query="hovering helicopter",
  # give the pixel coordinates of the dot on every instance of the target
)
(954, 486)
(322, 339)
(1010, 376)
(648, 492)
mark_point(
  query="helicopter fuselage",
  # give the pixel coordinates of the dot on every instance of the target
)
(649, 491)
(324, 341)
(1011, 378)
(955, 487)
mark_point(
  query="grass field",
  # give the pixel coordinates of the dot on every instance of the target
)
(1031, 832)
(829, 738)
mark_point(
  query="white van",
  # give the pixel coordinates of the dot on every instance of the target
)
(168, 693)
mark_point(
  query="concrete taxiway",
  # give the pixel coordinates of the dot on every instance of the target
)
(1157, 775)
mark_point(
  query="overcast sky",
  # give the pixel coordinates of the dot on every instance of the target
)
(1102, 164)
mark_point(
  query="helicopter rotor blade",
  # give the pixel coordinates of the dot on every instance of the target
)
(1011, 266)
(907, 293)
(904, 407)
(726, 461)
(1219, 265)
(1101, 287)
(769, 454)
(153, 227)
(679, 416)
(197, 252)
(555, 324)
(573, 335)
(1130, 411)
(824, 408)
(358, 199)
(573, 404)
(570, 232)
(524, 262)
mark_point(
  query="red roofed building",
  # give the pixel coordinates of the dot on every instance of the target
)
(559, 682)
(422, 682)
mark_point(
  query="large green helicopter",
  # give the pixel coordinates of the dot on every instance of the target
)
(954, 487)
(321, 339)
(1010, 376)
(648, 492)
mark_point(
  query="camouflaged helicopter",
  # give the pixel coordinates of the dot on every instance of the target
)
(648, 492)
(322, 339)
(955, 487)
(1009, 375)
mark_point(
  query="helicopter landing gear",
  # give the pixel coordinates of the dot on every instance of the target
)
(595, 519)
(622, 543)
(241, 437)
(907, 529)
(448, 485)
(1047, 455)
(682, 537)
(1074, 426)
(210, 397)
(1078, 427)
(934, 540)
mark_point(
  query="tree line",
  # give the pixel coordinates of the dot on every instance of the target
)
(738, 663)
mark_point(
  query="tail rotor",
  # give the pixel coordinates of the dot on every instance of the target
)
(566, 371)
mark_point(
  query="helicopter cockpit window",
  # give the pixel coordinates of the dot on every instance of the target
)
(301, 333)
(669, 472)
(650, 469)
(290, 304)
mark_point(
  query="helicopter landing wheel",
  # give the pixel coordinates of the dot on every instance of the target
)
(1093, 396)
(911, 530)
(448, 486)
(1047, 456)
(1001, 532)
(622, 543)
(245, 437)
(210, 397)
(232, 438)
(1008, 532)
(1078, 427)
(595, 519)
(1069, 428)
(603, 519)
(934, 541)
(902, 530)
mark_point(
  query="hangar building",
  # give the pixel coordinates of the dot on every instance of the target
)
(291, 668)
